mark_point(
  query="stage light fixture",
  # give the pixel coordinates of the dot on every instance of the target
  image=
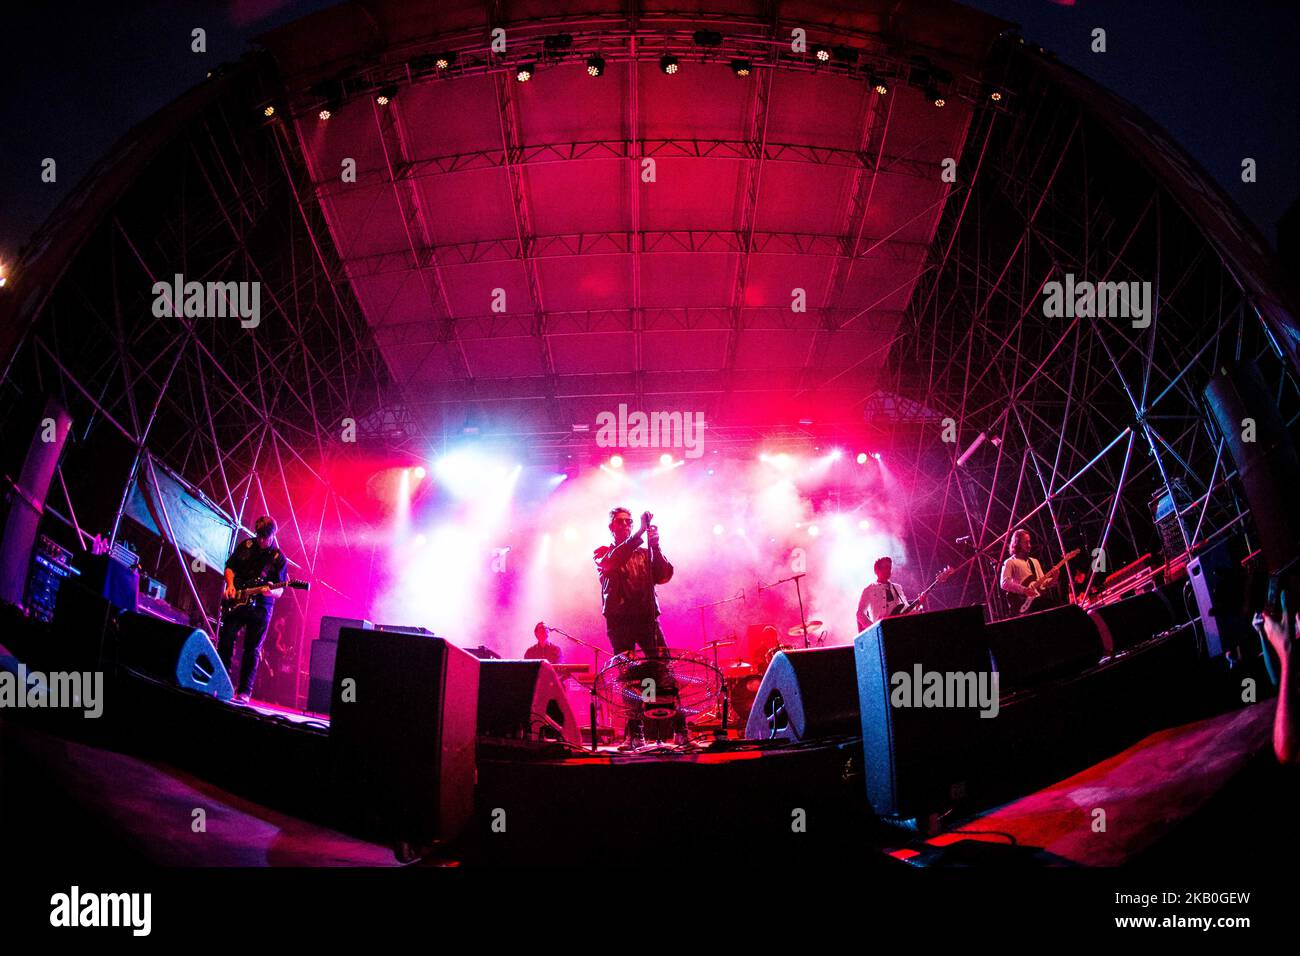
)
(707, 38)
(268, 110)
(813, 531)
(864, 524)
(443, 61)
(665, 460)
(668, 64)
(325, 114)
(879, 84)
(822, 53)
(741, 68)
(596, 65)
(616, 461)
(718, 529)
(525, 72)
(419, 473)
(862, 458)
(934, 96)
(995, 96)
(386, 95)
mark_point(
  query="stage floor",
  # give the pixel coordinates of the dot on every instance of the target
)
(1156, 797)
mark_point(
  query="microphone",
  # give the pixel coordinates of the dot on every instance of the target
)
(965, 539)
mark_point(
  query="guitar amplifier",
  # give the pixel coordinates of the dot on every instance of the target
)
(323, 652)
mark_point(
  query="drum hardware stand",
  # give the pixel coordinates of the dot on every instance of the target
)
(803, 620)
(723, 697)
(595, 669)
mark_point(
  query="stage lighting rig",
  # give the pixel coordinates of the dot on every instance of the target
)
(668, 64)
(525, 72)
(595, 65)
(741, 68)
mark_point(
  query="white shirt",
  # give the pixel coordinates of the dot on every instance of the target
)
(1015, 570)
(877, 600)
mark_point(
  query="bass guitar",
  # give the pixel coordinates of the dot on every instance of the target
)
(1036, 582)
(915, 604)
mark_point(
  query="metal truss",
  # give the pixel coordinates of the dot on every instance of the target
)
(1074, 425)
(251, 418)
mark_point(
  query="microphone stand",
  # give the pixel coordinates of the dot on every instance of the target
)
(803, 621)
(724, 699)
(595, 670)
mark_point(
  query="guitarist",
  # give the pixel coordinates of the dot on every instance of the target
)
(882, 597)
(258, 560)
(1020, 567)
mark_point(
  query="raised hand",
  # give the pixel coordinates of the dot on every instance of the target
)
(646, 518)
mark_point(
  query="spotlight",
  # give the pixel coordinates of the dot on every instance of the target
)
(325, 114)
(741, 67)
(862, 458)
(934, 96)
(525, 72)
(665, 460)
(385, 95)
(668, 64)
(879, 85)
(823, 53)
(596, 65)
(419, 473)
(995, 96)
(837, 454)
(616, 461)
(269, 110)
(814, 531)
(707, 38)
(876, 455)
(864, 524)
(718, 529)
(444, 61)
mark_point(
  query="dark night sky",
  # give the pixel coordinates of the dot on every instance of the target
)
(78, 76)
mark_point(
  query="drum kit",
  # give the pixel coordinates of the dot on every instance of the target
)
(698, 687)
(743, 678)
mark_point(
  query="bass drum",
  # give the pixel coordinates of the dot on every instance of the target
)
(741, 691)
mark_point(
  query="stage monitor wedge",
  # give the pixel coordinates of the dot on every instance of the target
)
(403, 718)
(173, 653)
(524, 700)
(804, 695)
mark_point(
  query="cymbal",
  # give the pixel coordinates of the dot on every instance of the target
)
(814, 627)
(718, 643)
(739, 665)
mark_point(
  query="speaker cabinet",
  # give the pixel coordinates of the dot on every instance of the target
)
(1044, 646)
(917, 759)
(175, 653)
(524, 700)
(1268, 465)
(1132, 621)
(1221, 590)
(403, 717)
(806, 694)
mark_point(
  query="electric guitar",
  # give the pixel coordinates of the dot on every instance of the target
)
(915, 604)
(1031, 581)
(245, 595)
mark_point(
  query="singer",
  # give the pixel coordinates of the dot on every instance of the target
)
(628, 576)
